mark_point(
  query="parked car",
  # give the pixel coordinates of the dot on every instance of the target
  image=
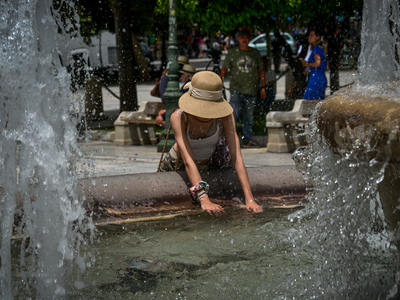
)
(260, 42)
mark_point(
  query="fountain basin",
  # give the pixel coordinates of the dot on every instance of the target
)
(365, 123)
(134, 196)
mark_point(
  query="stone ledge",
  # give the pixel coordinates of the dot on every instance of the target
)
(169, 191)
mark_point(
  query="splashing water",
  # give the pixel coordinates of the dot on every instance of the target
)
(37, 148)
(347, 224)
(380, 36)
(344, 229)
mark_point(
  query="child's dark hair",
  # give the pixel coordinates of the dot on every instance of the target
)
(320, 33)
(317, 31)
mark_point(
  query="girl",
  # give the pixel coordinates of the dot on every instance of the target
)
(317, 63)
(203, 122)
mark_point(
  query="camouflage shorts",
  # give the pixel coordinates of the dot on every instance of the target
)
(168, 164)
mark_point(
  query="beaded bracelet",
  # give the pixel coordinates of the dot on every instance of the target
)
(201, 194)
(202, 185)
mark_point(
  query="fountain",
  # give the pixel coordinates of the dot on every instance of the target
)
(363, 122)
(353, 166)
(338, 247)
(37, 146)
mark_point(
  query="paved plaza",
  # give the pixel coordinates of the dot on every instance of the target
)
(107, 159)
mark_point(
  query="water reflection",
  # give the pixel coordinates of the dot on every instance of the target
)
(235, 256)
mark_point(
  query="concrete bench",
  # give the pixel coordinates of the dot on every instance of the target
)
(285, 127)
(138, 127)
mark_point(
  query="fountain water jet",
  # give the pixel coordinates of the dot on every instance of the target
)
(364, 121)
(37, 146)
(354, 166)
(31, 124)
(379, 57)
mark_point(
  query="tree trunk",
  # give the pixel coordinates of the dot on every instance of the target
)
(295, 66)
(164, 59)
(94, 99)
(268, 44)
(140, 59)
(334, 35)
(126, 60)
(334, 63)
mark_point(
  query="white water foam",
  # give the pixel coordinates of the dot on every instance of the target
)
(38, 152)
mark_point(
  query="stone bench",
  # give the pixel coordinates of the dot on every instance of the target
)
(138, 127)
(285, 128)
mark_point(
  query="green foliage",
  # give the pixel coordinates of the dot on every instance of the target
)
(142, 16)
(210, 16)
(94, 18)
(99, 16)
(226, 15)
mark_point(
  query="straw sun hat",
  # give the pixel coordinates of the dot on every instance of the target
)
(189, 69)
(204, 98)
(183, 60)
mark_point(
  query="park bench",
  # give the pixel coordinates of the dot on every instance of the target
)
(138, 127)
(286, 128)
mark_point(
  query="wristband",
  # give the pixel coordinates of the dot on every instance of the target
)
(201, 194)
(194, 189)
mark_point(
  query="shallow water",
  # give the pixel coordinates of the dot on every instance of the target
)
(235, 256)
(331, 253)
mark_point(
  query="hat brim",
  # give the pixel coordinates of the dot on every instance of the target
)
(186, 72)
(204, 108)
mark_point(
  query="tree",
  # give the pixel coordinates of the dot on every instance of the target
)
(227, 15)
(126, 59)
(94, 18)
(128, 19)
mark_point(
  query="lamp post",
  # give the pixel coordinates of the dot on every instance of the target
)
(172, 92)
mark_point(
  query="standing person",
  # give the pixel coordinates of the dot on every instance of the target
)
(304, 52)
(186, 76)
(202, 47)
(317, 63)
(246, 72)
(270, 78)
(296, 78)
(276, 54)
(334, 35)
(203, 122)
(160, 119)
(182, 60)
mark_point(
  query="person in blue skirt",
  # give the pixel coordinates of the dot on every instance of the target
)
(317, 63)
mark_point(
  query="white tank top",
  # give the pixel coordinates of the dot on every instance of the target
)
(203, 148)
